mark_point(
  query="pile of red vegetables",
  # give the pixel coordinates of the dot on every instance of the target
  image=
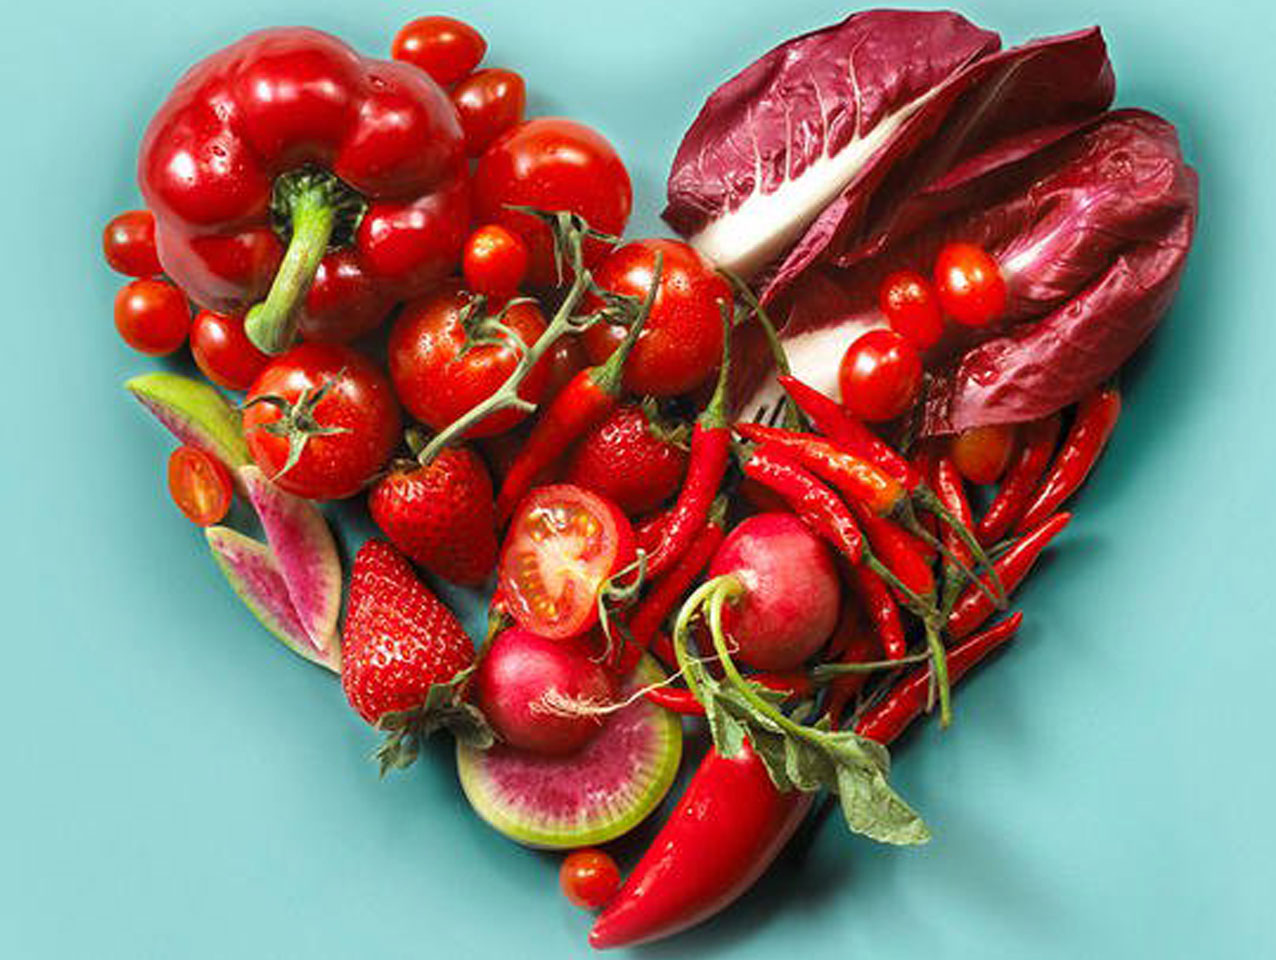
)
(792, 494)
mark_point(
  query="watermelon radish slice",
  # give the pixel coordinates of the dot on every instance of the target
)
(255, 576)
(306, 554)
(195, 413)
(606, 789)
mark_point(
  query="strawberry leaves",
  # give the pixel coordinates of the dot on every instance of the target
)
(444, 708)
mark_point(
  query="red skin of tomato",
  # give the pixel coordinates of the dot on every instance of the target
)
(911, 307)
(681, 344)
(223, 351)
(360, 403)
(200, 485)
(553, 164)
(982, 454)
(488, 103)
(435, 386)
(152, 316)
(589, 878)
(445, 48)
(969, 284)
(128, 242)
(880, 376)
(494, 262)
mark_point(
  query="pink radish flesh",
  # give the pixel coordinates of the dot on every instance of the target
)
(542, 695)
(791, 591)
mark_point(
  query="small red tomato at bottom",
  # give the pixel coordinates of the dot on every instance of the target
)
(200, 485)
(589, 878)
(982, 454)
(152, 316)
(495, 261)
(969, 283)
(223, 351)
(880, 376)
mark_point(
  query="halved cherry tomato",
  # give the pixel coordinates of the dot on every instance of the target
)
(223, 351)
(563, 544)
(436, 383)
(445, 48)
(681, 344)
(488, 102)
(129, 244)
(152, 316)
(553, 164)
(881, 376)
(589, 878)
(969, 283)
(200, 485)
(982, 454)
(911, 307)
(495, 261)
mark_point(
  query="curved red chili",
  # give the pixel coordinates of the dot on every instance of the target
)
(882, 610)
(1020, 481)
(974, 607)
(288, 167)
(1096, 418)
(950, 488)
(808, 497)
(898, 550)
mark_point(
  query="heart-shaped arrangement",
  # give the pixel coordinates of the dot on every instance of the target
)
(820, 443)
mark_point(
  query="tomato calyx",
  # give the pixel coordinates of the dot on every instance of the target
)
(565, 224)
(297, 422)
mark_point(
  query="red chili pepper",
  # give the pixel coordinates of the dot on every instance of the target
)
(809, 498)
(899, 550)
(288, 167)
(586, 401)
(1019, 482)
(682, 701)
(849, 433)
(907, 700)
(732, 822)
(856, 478)
(648, 532)
(710, 451)
(1096, 418)
(861, 646)
(880, 606)
(662, 649)
(973, 606)
(651, 612)
(950, 488)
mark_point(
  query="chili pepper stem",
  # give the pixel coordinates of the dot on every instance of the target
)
(926, 497)
(272, 324)
(908, 518)
(939, 672)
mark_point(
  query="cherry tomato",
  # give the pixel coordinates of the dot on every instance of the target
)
(553, 164)
(969, 284)
(681, 344)
(562, 545)
(200, 485)
(881, 376)
(436, 383)
(589, 878)
(982, 454)
(339, 411)
(445, 48)
(152, 316)
(488, 102)
(129, 244)
(565, 360)
(911, 307)
(495, 261)
(223, 351)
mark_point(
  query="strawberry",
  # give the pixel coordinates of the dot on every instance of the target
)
(631, 459)
(441, 515)
(405, 657)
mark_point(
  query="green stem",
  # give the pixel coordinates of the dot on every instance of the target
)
(939, 670)
(715, 415)
(272, 324)
(827, 672)
(682, 626)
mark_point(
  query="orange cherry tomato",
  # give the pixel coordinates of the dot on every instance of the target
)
(982, 454)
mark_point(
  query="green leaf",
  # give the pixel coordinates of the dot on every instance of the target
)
(872, 808)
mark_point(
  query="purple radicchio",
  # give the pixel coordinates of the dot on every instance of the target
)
(860, 149)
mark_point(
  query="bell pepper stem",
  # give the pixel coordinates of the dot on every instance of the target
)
(272, 324)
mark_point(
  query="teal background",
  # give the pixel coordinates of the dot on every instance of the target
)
(176, 785)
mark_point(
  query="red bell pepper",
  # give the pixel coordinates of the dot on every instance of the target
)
(288, 167)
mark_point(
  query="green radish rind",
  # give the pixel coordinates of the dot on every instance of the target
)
(253, 573)
(195, 413)
(665, 730)
(306, 554)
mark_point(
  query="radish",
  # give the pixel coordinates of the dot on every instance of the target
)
(541, 695)
(782, 588)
